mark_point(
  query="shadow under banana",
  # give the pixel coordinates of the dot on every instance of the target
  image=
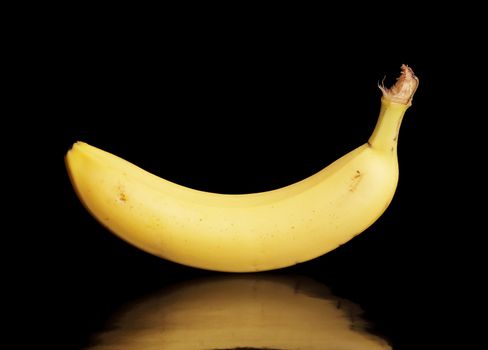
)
(240, 312)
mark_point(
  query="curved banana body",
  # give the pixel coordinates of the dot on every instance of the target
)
(249, 232)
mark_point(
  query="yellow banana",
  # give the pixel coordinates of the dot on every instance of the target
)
(241, 312)
(248, 232)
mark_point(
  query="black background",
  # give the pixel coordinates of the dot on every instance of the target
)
(233, 109)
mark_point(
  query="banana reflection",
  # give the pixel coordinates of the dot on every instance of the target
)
(241, 312)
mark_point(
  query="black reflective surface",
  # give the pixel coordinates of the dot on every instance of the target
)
(240, 312)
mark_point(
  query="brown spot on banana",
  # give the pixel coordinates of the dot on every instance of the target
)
(356, 179)
(121, 195)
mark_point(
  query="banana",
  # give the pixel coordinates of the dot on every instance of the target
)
(247, 232)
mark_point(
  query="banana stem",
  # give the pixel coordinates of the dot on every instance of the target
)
(394, 103)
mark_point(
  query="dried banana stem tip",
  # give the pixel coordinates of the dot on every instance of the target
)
(404, 88)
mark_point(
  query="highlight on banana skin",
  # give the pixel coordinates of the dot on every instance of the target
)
(255, 231)
(240, 312)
